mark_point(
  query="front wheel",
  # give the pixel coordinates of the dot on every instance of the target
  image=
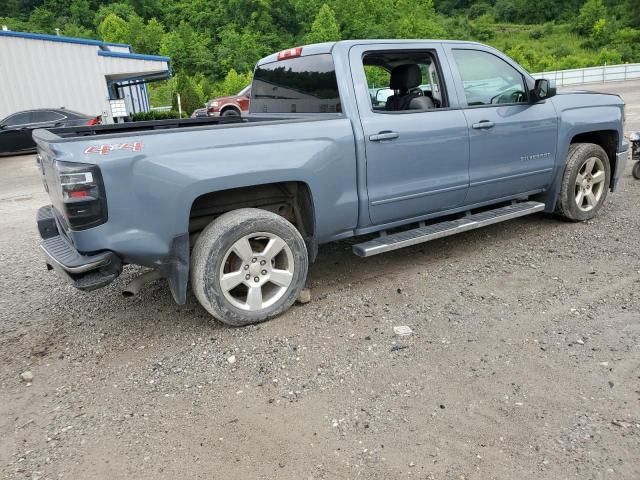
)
(248, 266)
(585, 182)
(636, 170)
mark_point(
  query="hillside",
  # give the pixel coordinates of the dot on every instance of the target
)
(214, 45)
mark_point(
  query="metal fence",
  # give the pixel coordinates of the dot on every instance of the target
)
(581, 76)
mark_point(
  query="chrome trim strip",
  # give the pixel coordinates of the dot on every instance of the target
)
(509, 177)
(418, 195)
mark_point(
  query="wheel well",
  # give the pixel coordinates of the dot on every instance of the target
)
(607, 139)
(230, 107)
(291, 200)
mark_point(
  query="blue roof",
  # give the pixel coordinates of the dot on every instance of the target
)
(57, 38)
(133, 56)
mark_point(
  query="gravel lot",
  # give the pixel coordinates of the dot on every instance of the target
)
(524, 362)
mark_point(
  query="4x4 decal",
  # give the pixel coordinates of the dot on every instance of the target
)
(109, 147)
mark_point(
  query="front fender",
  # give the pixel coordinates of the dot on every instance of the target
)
(582, 114)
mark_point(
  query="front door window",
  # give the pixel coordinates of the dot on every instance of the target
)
(489, 80)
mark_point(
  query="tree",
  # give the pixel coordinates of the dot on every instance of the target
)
(190, 51)
(72, 30)
(240, 50)
(120, 9)
(416, 19)
(150, 41)
(81, 13)
(324, 28)
(590, 13)
(145, 38)
(232, 83)
(114, 29)
(632, 12)
(190, 98)
(507, 11)
(42, 20)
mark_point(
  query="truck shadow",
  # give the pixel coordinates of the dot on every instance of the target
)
(152, 317)
(153, 312)
(336, 264)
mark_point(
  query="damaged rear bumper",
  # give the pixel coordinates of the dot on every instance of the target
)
(84, 271)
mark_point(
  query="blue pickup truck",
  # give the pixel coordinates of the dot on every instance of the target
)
(459, 137)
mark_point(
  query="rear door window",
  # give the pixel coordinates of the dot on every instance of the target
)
(379, 68)
(22, 118)
(296, 85)
(46, 116)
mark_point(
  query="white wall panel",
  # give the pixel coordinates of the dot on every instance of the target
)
(36, 73)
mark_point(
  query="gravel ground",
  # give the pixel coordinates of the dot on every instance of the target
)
(524, 362)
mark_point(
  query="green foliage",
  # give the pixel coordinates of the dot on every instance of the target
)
(377, 77)
(145, 38)
(324, 28)
(482, 28)
(632, 11)
(80, 13)
(479, 9)
(73, 30)
(536, 33)
(214, 45)
(156, 115)
(114, 29)
(161, 93)
(241, 49)
(42, 19)
(592, 12)
(232, 83)
(190, 51)
(191, 94)
(119, 9)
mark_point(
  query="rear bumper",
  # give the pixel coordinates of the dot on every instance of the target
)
(85, 272)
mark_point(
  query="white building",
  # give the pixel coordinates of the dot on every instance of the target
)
(48, 71)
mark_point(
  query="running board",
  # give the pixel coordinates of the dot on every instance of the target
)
(386, 243)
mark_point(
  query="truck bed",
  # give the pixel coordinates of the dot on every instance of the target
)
(119, 129)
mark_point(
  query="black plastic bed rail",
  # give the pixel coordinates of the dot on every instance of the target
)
(85, 131)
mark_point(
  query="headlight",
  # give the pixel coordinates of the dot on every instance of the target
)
(634, 137)
(214, 104)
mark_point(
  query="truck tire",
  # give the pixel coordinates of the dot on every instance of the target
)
(585, 183)
(635, 171)
(230, 112)
(248, 266)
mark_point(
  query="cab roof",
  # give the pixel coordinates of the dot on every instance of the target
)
(328, 47)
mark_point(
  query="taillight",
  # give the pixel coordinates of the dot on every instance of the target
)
(82, 194)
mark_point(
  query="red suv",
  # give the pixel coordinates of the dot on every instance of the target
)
(234, 105)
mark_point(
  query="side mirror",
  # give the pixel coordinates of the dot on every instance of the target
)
(2, 126)
(544, 89)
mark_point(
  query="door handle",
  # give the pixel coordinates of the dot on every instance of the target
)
(382, 136)
(483, 125)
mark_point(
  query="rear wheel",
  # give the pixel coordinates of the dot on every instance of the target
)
(585, 183)
(636, 170)
(248, 265)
